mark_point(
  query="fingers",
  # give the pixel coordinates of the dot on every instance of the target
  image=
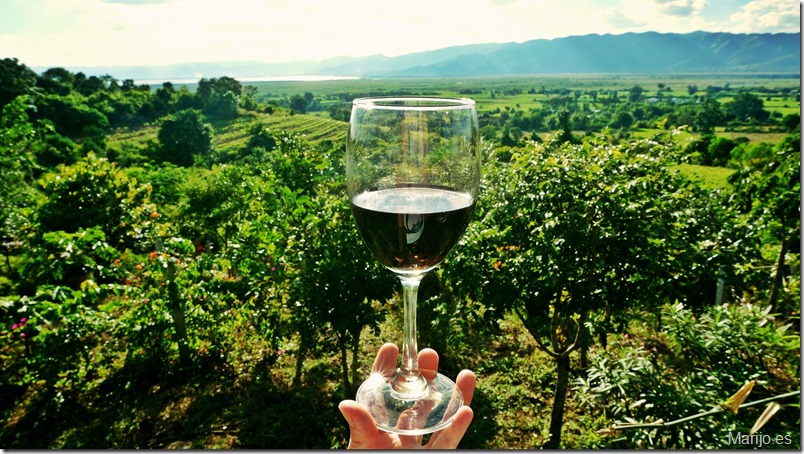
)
(466, 382)
(385, 362)
(362, 430)
(452, 434)
(428, 363)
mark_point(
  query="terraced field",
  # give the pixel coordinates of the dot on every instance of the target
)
(231, 135)
(313, 128)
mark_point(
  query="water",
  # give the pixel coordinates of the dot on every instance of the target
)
(297, 78)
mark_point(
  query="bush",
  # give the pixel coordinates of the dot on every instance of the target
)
(692, 365)
(94, 192)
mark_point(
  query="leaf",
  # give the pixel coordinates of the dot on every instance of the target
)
(766, 415)
(734, 402)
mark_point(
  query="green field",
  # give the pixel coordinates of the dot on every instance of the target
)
(230, 136)
(707, 177)
(479, 88)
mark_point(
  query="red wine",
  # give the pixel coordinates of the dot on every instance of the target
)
(412, 227)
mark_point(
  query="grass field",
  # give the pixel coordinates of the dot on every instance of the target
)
(710, 178)
(479, 88)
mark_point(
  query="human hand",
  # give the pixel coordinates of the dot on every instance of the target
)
(364, 433)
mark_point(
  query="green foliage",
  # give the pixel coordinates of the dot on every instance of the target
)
(17, 135)
(298, 104)
(216, 207)
(578, 228)
(15, 79)
(292, 163)
(693, 364)
(69, 259)
(219, 96)
(95, 192)
(188, 324)
(767, 201)
(55, 149)
(747, 107)
(573, 229)
(184, 135)
(70, 114)
(339, 285)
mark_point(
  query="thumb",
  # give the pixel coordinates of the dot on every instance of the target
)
(362, 429)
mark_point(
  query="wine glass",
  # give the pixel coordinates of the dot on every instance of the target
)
(412, 175)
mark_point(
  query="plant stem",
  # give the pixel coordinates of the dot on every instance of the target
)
(716, 410)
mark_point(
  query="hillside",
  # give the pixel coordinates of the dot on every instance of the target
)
(698, 52)
(636, 53)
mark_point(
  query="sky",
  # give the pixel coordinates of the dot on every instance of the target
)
(69, 33)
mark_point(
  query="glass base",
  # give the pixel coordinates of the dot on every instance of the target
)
(410, 407)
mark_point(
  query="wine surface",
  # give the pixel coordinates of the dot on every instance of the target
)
(411, 228)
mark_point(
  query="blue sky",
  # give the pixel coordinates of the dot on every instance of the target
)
(155, 32)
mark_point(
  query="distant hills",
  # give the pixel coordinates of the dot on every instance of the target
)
(636, 53)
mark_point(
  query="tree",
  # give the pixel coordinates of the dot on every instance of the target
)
(635, 93)
(768, 193)
(218, 206)
(15, 79)
(17, 136)
(792, 122)
(249, 222)
(746, 107)
(339, 285)
(708, 115)
(219, 96)
(95, 192)
(71, 115)
(718, 152)
(564, 130)
(569, 231)
(622, 120)
(183, 136)
(298, 104)
(58, 81)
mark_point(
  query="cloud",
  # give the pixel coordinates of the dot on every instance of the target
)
(678, 16)
(126, 32)
(618, 20)
(767, 16)
(683, 8)
(135, 2)
(679, 10)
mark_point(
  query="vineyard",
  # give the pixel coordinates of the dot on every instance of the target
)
(232, 135)
(181, 269)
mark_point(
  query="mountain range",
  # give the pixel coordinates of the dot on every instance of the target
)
(635, 53)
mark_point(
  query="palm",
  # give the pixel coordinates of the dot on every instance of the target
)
(364, 431)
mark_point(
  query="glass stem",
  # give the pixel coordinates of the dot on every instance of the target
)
(410, 362)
